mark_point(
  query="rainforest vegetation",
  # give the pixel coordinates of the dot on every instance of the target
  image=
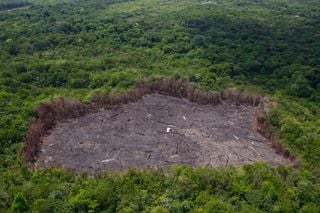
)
(75, 48)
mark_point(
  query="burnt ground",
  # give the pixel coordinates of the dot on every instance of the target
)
(157, 131)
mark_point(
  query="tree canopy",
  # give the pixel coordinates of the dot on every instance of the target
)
(77, 47)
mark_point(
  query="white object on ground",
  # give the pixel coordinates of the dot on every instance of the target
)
(107, 160)
(231, 123)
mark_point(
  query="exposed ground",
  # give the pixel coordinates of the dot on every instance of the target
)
(19, 8)
(157, 131)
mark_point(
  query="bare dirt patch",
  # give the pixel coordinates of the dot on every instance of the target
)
(157, 131)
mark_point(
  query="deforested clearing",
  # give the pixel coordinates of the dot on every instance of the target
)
(158, 131)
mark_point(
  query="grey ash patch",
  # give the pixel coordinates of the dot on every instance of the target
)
(157, 131)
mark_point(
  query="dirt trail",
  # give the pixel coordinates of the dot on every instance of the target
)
(157, 131)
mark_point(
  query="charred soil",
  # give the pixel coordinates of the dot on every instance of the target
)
(155, 125)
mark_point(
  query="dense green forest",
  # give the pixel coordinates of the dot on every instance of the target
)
(75, 48)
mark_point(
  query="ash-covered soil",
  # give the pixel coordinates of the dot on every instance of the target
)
(158, 131)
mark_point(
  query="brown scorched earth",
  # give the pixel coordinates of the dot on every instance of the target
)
(157, 131)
